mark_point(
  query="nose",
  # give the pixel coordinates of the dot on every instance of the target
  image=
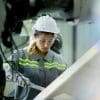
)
(46, 45)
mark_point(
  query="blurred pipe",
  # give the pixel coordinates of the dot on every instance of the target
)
(74, 43)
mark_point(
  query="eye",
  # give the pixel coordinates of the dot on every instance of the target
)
(50, 41)
(42, 41)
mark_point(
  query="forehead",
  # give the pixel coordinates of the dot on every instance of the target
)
(46, 35)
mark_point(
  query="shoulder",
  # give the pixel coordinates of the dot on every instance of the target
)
(57, 57)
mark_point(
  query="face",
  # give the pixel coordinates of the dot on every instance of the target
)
(2, 15)
(44, 42)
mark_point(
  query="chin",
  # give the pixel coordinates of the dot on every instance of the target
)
(44, 51)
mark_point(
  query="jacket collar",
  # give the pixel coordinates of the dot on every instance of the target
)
(49, 56)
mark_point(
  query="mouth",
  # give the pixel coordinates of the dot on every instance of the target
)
(44, 49)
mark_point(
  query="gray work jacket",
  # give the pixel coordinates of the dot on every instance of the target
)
(41, 71)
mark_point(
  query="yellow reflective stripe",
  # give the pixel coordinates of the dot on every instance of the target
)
(27, 63)
(55, 65)
(27, 60)
(59, 68)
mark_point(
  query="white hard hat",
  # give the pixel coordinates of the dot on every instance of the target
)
(46, 24)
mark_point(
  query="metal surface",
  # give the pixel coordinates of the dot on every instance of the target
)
(37, 87)
(80, 82)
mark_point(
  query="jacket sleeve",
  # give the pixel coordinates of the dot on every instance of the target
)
(14, 59)
(62, 65)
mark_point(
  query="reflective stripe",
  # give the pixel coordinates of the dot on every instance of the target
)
(28, 63)
(27, 60)
(55, 65)
(35, 64)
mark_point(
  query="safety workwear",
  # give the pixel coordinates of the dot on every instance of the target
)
(40, 70)
(46, 24)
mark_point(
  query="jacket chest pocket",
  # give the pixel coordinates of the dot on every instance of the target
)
(32, 74)
(51, 75)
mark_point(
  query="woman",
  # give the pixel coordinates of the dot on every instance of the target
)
(37, 62)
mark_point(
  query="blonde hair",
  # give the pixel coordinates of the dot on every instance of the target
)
(31, 45)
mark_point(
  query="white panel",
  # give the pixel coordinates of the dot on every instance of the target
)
(80, 82)
(87, 35)
(66, 31)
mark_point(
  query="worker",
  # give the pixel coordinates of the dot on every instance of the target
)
(38, 62)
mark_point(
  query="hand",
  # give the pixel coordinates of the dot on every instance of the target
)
(22, 81)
